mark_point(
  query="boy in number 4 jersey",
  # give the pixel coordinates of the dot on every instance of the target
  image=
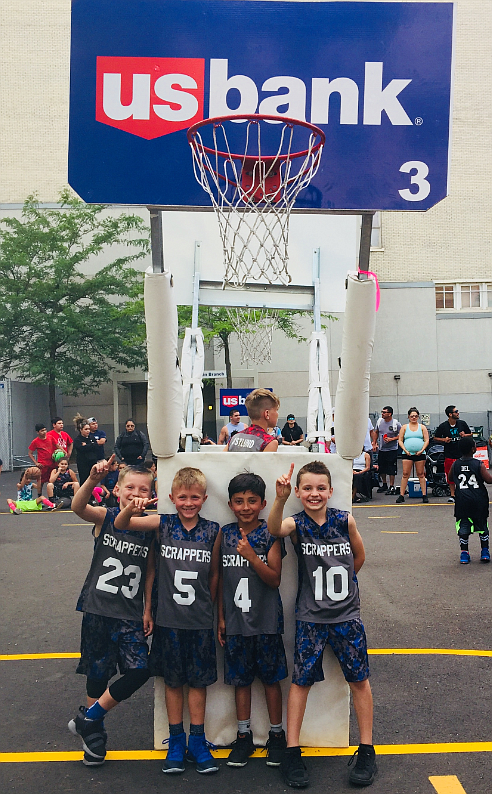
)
(112, 600)
(183, 646)
(330, 553)
(251, 617)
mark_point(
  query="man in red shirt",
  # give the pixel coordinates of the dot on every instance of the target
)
(62, 440)
(43, 446)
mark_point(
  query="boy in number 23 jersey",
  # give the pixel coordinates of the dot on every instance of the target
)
(112, 600)
(183, 646)
(330, 553)
(251, 617)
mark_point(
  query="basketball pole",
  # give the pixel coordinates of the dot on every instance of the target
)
(156, 240)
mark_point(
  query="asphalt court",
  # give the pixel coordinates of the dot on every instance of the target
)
(432, 725)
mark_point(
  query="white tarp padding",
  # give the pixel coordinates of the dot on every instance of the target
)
(165, 394)
(192, 364)
(326, 723)
(352, 398)
(319, 385)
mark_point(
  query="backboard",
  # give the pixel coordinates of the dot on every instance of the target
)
(374, 76)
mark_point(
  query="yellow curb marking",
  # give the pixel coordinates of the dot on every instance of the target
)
(447, 784)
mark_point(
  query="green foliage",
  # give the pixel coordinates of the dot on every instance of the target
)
(59, 325)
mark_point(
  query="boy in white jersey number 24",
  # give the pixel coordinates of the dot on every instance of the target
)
(330, 554)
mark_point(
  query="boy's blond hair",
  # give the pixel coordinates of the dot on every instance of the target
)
(260, 400)
(134, 470)
(189, 477)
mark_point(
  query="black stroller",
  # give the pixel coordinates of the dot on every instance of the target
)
(434, 470)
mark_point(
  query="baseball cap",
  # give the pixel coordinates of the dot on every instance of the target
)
(92, 419)
(290, 416)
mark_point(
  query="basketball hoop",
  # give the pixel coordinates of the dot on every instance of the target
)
(253, 190)
(254, 329)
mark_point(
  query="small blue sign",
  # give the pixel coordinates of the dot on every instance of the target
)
(234, 399)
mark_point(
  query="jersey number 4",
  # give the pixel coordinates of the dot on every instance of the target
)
(241, 596)
(336, 572)
(133, 571)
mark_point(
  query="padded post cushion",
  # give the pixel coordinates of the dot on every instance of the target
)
(326, 723)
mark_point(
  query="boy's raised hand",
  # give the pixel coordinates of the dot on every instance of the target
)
(100, 469)
(136, 506)
(283, 486)
(244, 547)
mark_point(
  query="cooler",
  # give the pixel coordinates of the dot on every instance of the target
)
(414, 489)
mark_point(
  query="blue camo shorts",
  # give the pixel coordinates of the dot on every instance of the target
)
(184, 656)
(108, 644)
(347, 641)
(247, 658)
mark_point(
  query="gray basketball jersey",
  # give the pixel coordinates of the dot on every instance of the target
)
(114, 586)
(184, 600)
(328, 591)
(244, 442)
(251, 607)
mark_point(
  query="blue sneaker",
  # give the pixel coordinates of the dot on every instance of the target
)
(465, 557)
(199, 754)
(175, 761)
(485, 555)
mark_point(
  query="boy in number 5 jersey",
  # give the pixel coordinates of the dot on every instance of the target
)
(183, 646)
(250, 616)
(330, 553)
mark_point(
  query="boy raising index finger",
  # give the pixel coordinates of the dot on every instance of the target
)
(330, 553)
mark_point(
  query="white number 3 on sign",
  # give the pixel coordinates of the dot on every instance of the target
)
(416, 179)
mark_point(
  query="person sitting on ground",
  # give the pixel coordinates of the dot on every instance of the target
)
(262, 407)
(43, 446)
(63, 484)
(471, 507)
(360, 466)
(292, 434)
(25, 502)
(234, 425)
(414, 440)
(131, 446)
(30, 478)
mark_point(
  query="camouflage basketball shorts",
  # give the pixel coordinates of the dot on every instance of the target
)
(347, 641)
(247, 658)
(184, 656)
(109, 644)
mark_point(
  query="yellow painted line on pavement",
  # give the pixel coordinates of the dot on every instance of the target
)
(384, 516)
(21, 657)
(401, 506)
(155, 755)
(399, 531)
(447, 784)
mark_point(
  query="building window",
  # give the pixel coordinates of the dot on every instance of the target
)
(445, 296)
(470, 296)
(489, 296)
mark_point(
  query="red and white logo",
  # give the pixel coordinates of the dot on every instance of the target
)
(150, 97)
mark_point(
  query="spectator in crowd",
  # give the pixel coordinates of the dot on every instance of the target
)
(361, 485)
(62, 440)
(63, 484)
(43, 447)
(292, 434)
(99, 435)
(234, 425)
(449, 434)
(110, 480)
(87, 451)
(276, 433)
(414, 440)
(386, 436)
(207, 441)
(131, 446)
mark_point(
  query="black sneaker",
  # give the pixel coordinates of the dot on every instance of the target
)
(365, 767)
(400, 500)
(391, 491)
(294, 771)
(93, 737)
(425, 499)
(242, 748)
(382, 488)
(275, 747)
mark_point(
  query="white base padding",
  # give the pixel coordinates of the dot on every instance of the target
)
(326, 722)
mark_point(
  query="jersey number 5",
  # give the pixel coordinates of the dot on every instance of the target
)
(179, 577)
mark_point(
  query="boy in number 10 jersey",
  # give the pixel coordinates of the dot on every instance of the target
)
(183, 646)
(330, 553)
(251, 617)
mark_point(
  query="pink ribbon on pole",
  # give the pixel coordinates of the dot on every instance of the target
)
(378, 291)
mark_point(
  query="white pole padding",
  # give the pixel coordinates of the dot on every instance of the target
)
(192, 374)
(165, 392)
(352, 398)
(319, 385)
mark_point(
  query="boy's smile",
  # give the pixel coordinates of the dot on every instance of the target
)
(246, 507)
(314, 491)
(188, 503)
(134, 485)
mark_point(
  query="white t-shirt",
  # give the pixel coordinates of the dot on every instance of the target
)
(368, 440)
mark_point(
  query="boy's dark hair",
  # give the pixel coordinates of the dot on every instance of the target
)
(449, 409)
(39, 426)
(467, 445)
(247, 482)
(56, 419)
(316, 467)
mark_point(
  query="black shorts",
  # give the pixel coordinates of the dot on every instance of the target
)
(387, 461)
(108, 644)
(247, 658)
(413, 458)
(184, 656)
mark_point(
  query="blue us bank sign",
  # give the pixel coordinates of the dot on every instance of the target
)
(376, 77)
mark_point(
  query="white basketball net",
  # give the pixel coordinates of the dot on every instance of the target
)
(253, 194)
(254, 328)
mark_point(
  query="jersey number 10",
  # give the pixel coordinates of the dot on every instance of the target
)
(331, 573)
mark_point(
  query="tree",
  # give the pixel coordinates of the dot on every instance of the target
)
(60, 326)
(216, 324)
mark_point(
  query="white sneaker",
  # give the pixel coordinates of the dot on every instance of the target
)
(451, 499)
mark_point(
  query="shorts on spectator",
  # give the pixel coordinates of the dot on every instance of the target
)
(109, 644)
(247, 658)
(448, 465)
(184, 656)
(45, 473)
(413, 458)
(387, 462)
(347, 641)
